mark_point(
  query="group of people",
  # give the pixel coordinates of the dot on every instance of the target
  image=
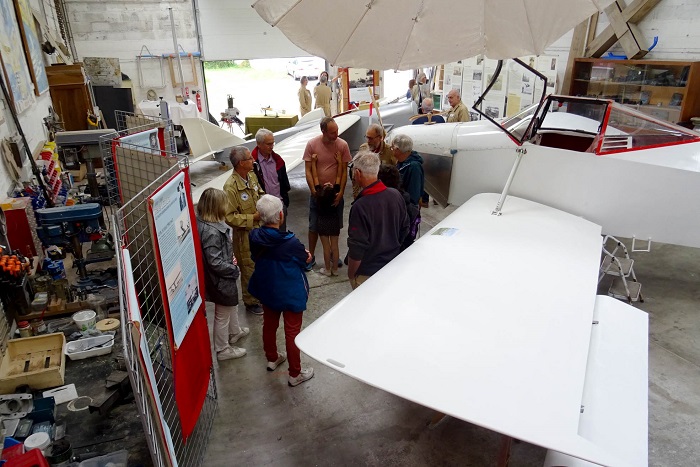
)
(419, 92)
(243, 231)
(322, 94)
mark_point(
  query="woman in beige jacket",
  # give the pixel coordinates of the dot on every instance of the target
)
(304, 97)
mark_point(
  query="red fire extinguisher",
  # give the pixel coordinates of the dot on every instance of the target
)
(199, 101)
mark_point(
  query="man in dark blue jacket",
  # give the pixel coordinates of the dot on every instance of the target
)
(378, 221)
(271, 170)
(279, 282)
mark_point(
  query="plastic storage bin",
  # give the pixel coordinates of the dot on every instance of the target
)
(89, 347)
(113, 459)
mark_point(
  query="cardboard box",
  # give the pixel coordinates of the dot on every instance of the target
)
(38, 362)
(79, 175)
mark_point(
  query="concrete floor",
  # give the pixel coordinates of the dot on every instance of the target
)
(336, 420)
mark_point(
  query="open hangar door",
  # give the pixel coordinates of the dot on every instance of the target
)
(232, 30)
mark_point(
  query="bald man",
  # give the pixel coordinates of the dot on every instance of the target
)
(458, 112)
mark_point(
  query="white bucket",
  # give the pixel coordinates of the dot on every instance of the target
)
(85, 319)
(39, 440)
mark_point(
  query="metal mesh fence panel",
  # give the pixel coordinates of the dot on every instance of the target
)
(129, 124)
(140, 174)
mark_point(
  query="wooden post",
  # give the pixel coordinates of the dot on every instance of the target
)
(633, 13)
(578, 46)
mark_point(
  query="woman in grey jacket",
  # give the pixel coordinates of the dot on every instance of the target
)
(220, 273)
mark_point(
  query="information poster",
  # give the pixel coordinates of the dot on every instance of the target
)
(515, 89)
(472, 79)
(149, 140)
(521, 88)
(360, 84)
(495, 102)
(547, 65)
(134, 313)
(172, 226)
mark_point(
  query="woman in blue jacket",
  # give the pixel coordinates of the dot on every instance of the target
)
(279, 283)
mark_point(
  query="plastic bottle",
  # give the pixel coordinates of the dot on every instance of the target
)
(25, 329)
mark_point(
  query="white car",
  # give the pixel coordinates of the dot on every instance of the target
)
(305, 66)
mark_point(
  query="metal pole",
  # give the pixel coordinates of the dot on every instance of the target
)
(179, 59)
(519, 153)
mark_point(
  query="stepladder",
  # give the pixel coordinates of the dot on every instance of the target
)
(617, 263)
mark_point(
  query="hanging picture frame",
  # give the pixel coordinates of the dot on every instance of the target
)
(32, 46)
(15, 71)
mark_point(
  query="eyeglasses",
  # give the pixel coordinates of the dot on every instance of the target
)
(371, 137)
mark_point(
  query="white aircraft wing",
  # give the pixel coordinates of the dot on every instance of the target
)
(316, 114)
(495, 331)
(206, 138)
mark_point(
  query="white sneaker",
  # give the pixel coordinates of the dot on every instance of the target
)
(281, 357)
(233, 338)
(325, 272)
(230, 352)
(305, 375)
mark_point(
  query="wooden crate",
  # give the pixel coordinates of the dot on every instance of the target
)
(36, 361)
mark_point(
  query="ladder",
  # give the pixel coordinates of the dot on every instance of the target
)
(618, 264)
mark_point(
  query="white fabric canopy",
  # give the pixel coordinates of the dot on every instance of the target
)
(405, 34)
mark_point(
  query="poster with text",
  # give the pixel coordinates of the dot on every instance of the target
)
(144, 354)
(472, 79)
(150, 141)
(175, 248)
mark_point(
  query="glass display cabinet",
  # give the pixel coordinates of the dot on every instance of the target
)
(668, 90)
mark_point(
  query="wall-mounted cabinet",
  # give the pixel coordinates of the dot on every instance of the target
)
(665, 89)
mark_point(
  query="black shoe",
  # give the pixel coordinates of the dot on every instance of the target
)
(311, 265)
(340, 263)
(255, 309)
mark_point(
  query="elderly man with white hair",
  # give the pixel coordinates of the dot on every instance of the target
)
(270, 169)
(378, 221)
(410, 167)
(458, 112)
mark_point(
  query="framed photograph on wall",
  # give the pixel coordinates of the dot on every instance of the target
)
(15, 70)
(32, 46)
